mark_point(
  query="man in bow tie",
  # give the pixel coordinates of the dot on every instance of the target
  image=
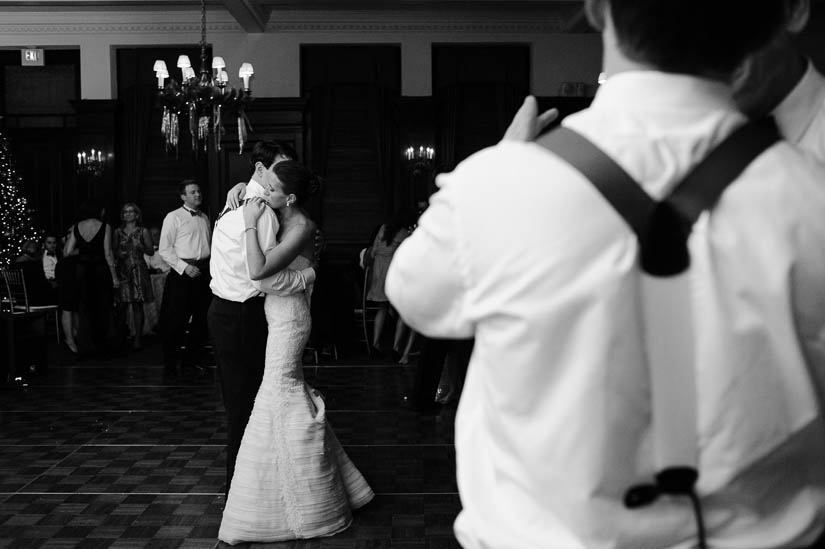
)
(184, 244)
(50, 259)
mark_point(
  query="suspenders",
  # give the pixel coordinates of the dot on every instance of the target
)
(662, 229)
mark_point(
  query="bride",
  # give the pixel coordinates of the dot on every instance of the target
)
(292, 478)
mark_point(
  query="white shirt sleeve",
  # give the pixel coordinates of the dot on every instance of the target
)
(166, 246)
(285, 282)
(427, 278)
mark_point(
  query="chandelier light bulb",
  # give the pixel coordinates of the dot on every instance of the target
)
(218, 63)
(183, 62)
(245, 72)
(160, 65)
(161, 76)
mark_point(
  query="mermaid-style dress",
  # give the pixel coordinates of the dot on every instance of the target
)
(292, 478)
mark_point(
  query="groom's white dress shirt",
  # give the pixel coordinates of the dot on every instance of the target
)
(230, 273)
(801, 115)
(520, 251)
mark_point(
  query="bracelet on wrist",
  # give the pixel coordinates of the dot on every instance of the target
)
(250, 229)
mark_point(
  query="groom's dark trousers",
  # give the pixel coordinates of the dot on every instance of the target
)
(238, 333)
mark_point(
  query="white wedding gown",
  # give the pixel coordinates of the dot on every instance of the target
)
(292, 478)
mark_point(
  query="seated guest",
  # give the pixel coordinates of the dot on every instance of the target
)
(50, 259)
(28, 252)
(38, 289)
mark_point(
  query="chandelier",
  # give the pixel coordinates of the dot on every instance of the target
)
(202, 98)
(92, 163)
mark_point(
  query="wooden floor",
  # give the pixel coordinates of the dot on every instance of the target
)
(108, 453)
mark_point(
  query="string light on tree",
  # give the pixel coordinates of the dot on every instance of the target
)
(16, 225)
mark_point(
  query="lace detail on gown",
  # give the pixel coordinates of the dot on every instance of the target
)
(292, 478)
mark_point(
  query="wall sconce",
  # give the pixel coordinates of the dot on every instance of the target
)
(420, 153)
(92, 162)
(420, 166)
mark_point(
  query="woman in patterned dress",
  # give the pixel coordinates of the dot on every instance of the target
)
(131, 241)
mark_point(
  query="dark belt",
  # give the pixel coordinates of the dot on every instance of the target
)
(199, 263)
(228, 303)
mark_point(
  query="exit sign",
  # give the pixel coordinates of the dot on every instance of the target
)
(31, 57)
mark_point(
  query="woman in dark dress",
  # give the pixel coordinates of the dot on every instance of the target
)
(64, 274)
(94, 277)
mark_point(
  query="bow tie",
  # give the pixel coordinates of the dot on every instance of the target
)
(193, 212)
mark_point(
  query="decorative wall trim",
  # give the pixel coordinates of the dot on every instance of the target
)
(415, 26)
(530, 27)
(115, 28)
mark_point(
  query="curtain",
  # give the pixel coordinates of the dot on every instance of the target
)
(508, 100)
(447, 103)
(136, 115)
(382, 123)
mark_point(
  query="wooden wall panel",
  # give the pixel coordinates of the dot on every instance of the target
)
(477, 90)
(353, 94)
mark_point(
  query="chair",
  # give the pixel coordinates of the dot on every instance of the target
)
(14, 307)
(365, 312)
(18, 296)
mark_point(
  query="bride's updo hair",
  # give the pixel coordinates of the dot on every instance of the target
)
(297, 179)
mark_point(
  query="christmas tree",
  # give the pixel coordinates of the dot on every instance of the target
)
(16, 224)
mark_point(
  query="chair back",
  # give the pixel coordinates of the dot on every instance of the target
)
(365, 287)
(15, 298)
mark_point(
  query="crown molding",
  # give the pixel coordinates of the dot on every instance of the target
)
(502, 27)
(114, 28)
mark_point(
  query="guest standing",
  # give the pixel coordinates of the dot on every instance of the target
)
(390, 236)
(65, 274)
(132, 241)
(158, 271)
(184, 244)
(558, 417)
(94, 277)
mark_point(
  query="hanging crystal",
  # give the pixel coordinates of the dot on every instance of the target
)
(218, 126)
(203, 97)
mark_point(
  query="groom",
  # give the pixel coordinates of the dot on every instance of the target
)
(236, 316)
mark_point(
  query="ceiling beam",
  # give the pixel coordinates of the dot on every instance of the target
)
(249, 14)
(578, 23)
